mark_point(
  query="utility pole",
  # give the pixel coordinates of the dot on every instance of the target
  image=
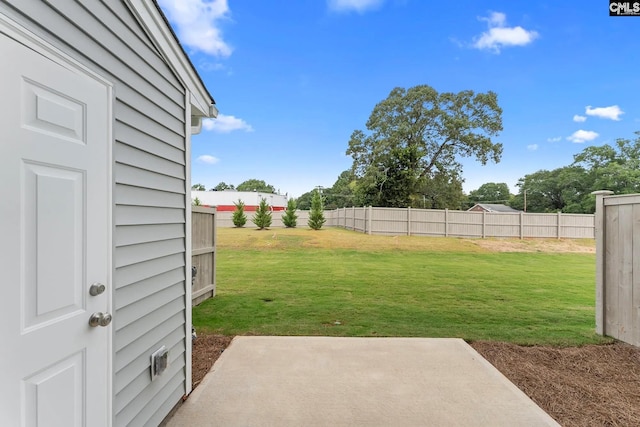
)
(525, 199)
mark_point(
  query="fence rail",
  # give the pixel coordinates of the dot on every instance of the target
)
(435, 222)
(203, 253)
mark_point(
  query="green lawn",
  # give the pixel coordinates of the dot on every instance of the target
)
(339, 283)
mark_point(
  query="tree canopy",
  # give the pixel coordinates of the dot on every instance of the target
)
(491, 192)
(256, 185)
(341, 194)
(568, 189)
(223, 186)
(418, 134)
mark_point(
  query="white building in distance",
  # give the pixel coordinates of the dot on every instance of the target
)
(224, 201)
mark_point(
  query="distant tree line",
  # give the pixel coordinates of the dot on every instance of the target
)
(248, 185)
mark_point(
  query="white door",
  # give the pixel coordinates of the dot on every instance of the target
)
(54, 241)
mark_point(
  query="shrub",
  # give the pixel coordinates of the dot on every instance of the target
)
(289, 219)
(239, 218)
(262, 217)
(316, 216)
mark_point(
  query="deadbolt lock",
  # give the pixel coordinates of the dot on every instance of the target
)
(96, 289)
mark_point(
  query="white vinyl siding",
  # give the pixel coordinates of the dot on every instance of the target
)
(149, 210)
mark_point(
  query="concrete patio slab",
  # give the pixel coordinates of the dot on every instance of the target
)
(324, 381)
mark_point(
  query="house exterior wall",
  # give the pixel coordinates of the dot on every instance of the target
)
(477, 208)
(149, 210)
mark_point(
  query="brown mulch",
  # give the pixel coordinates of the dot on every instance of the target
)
(206, 350)
(593, 385)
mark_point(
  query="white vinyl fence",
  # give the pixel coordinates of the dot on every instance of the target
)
(435, 222)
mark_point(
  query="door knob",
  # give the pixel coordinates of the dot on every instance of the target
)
(100, 319)
(96, 289)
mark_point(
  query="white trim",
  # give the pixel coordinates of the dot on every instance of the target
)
(187, 282)
(154, 24)
(32, 41)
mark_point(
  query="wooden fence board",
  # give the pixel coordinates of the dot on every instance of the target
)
(203, 253)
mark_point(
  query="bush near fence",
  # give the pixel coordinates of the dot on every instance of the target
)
(437, 222)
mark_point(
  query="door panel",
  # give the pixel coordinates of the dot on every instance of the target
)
(53, 286)
(54, 187)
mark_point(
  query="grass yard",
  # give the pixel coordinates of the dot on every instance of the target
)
(341, 283)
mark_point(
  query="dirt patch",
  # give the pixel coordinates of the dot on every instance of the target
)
(538, 245)
(594, 385)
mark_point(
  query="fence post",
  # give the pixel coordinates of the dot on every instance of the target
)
(353, 212)
(484, 223)
(600, 259)
(370, 217)
(559, 222)
(344, 217)
(521, 225)
(446, 222)
(409, 221)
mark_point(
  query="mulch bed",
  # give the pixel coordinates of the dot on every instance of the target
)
(594, 385)
(206, 350)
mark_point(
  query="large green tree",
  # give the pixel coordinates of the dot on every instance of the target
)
(442, 191)
(568, 189)
(198, 187)
(342, 194)
(613, 167)
(304, 201)
(416, 134)
(256, 185)
(490, 192)
(562, 189)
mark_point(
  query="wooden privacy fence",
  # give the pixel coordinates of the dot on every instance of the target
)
(435, 222)
(618, 266)
(203, 253)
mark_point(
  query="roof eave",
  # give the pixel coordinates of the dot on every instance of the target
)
(157, 27)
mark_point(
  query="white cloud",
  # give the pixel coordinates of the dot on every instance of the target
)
(532, 147)
(359, 6)
(581, 136)
(578, 118)
(196, 24)
(226, 124)
(499, 35)
(554, 139)
(612, 112)
(210, 160)
(210, 66)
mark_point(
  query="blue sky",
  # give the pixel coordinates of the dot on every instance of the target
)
(293, 79)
